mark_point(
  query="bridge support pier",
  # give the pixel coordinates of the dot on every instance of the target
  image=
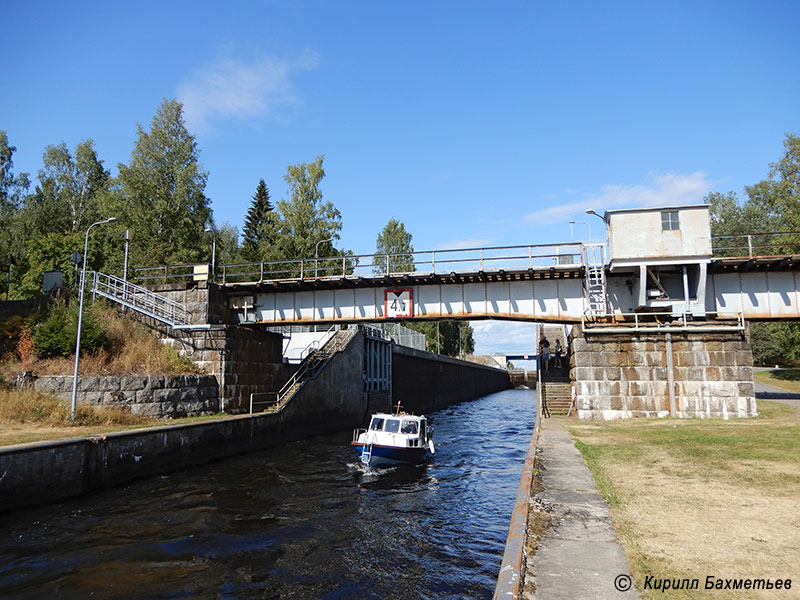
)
(647, 374)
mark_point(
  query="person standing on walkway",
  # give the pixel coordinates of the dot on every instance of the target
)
(559, 350)
(544, 352)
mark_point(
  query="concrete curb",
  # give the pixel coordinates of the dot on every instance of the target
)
(510, 580)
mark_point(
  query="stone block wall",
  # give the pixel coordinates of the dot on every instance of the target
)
(620, 376)
(244, 360)
(157, 396)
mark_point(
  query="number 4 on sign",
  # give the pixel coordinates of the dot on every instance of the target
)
(398, 304)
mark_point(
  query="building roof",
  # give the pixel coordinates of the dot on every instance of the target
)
(653, 209)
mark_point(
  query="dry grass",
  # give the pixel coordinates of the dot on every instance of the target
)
(692, 498)
(27, 416)
(132, 349)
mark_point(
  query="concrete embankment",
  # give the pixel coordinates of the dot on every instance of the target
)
(424, 382)
(40, 473)
(569, 548)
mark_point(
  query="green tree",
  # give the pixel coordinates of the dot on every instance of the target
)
(450, 338)
(68, 196)
(53, 252)
(772, 205)
(393, 249)
(257, 222)
(303, 221)
(12, 187)
(779, 195)
(228, 250)
(56, 335)
(12, 191)
(163, 192)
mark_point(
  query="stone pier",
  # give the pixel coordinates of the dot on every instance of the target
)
(630, 375)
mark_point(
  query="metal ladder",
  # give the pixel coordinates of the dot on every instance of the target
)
(366, 452)
(595, 280)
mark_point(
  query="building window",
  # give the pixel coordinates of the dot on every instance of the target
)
(669, 220)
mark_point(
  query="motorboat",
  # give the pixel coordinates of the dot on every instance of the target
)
(394, 439)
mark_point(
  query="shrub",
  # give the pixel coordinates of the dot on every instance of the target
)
(55, 336)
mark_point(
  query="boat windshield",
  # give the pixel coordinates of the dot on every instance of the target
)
(377, 424)
(392, 425)
(408, 426)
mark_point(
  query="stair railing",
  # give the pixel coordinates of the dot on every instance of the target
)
(314, 362)
(140, 299)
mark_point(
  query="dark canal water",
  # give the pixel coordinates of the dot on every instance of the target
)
(300, 521)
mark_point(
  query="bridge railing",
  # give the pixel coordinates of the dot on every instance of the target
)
(432, 261)
(754, 245)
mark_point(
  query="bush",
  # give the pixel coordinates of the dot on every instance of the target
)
(56, 335)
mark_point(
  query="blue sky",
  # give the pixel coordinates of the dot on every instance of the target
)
(475, 124)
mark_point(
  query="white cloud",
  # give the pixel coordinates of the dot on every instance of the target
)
(468, 243)
(508, 337)
(231, 88)
(668, 189)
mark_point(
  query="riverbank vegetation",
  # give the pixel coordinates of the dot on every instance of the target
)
(695, 498)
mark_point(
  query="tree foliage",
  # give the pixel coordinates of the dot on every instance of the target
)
(303, 225)
(256, 230)
(772, 205)
(450, 338)
(67, 199)
(56, 335)
(393, 249)
(163, 192)
(12, 191)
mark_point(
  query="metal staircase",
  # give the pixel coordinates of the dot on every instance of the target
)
(595, 280)
(314, 363)
(141, 300)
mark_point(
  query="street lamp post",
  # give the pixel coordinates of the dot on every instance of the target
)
(80, 314)
(213, 251)
(571, 223)
(316, 254)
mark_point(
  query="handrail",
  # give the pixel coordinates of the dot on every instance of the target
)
(314, 362)
(378, 265)
(671, 322)
(140, 299)
(752, 249)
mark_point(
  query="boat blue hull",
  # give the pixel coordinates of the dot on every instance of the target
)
(389, 455)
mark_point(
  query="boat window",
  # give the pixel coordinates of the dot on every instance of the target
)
(422, 429)
(409, 427)
(377, 424)
(392, 425)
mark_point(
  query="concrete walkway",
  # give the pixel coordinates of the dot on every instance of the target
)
(768, 392)
(579, 556)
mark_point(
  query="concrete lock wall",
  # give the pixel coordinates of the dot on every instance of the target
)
(40, 473)
(423, 382)
(621, 376)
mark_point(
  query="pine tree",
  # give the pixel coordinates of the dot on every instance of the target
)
(255, 224)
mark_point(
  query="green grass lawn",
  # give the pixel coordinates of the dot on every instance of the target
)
(785, 379)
